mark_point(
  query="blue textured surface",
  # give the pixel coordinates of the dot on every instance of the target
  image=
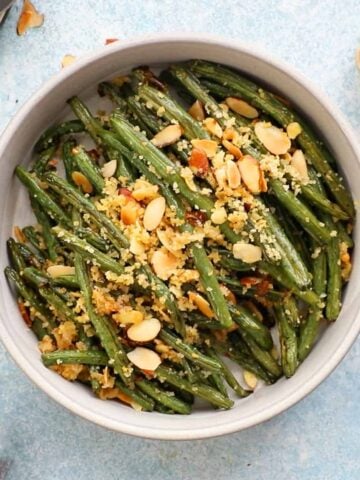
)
(319, 439)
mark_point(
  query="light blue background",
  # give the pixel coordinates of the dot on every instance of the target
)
(319, 439)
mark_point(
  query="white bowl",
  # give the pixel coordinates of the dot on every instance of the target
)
(46, 106)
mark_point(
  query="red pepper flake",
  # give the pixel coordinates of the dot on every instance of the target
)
(110, 40)
(196, 218)
(125, 192)
(94, 154)
(25, 313)
(149, 373)
(249, 282)
(199, 161)
(263, 288)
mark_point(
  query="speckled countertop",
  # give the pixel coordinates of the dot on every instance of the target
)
(318, 439)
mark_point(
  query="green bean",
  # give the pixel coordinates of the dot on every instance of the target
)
(53, 134)
(333, 299)
(189, 351)
(245, 290)
(102, 326)
(86, 357)
(33, 237)
(168, 399)
(253, 327)
(68, 158)
(88, 251)
(288, 341)
(57, 303)
(87, 167)
(265, 359)
(144, 401)
(16, 259)
(80, 202)
(42, 162)
(44, 222)
(200, 390)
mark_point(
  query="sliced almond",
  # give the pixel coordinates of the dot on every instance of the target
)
(250, 379)
(233, 149)
(293, 130)
(202, 304)
(154, 213)
(232, 174)
(166, 238)
(108, 169)
(60, 270)
(136, 247)
(221, 176)
(167, 136)
(128, 316)
(273, 138)
(298, 162)
(219, 216)
(108, 41)
(81, 181)
(29, 18)
(129, 212)
(241, 107)
(144, 358)
(19, 235)
(144, 331)
(67, 60)
(231, 134)
(250, 173)
(247, 252)
(208, 146)
(164, 263)
(213, 127)
(197, 111)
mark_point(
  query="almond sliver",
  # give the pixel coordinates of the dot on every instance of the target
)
(298, 162)
(208, 146)
(164, 264)
(250, 379)
(232, 174)
(250, 173)
(202, 304)
(219, 216)
(144, 358)
(108, 169)
(213, 127)
(241, 107)
(29, 18)
(197, 111)
(81, 181)
(60, 270)
(293, 130)
(167, 136)
(144, 331)
(247, 252)
(273, 138)
(154, 213)
(233, 149)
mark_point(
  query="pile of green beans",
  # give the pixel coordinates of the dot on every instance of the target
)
(288, 295)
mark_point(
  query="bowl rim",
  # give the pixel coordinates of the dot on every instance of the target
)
(209, 431)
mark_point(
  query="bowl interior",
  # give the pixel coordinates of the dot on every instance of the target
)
(47, 107)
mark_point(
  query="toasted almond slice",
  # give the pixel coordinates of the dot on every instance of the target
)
(219, 216)
(136, 247)
(221, 177)
(233, 149)
(250, 379)
(29, 18)
(241, 107)
(108, 169)
(202, 304)
(213, 127)
(197, 111)
(60, 270)
(167, 136)
(164, 264)
(154, 213)
(298, 162)
(108, 41)
(144, 190)
(262, 181)
(81, 181)
(208, 146)
(232, 174)
(293, 130)
(166, 239)
(144, 358)
(247, 252)
(144, 331)
(129, 212)
(274, 139)
(19, 235)
(67, 60)
(230, 297)
(231, 134)
(250, 173)
(128, 316)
